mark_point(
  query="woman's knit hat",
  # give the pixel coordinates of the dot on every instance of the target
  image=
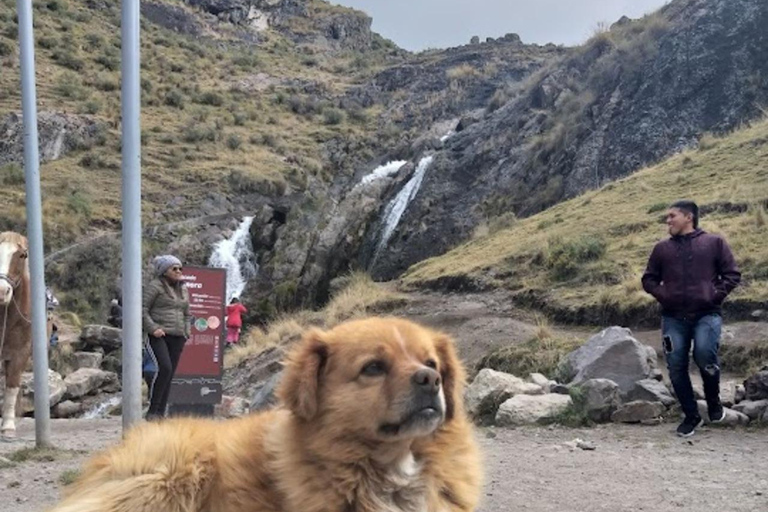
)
(164, 262)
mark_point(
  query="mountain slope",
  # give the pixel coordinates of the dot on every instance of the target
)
(632, 95)
(581, 260)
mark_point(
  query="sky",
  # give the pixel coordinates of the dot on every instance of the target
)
(421, 24)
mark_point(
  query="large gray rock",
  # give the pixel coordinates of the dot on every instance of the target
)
(732, 418)
(94, 336)
(651, 391)
(757, 385)
(527, 409)
(638, 411)
(87, 360)
(611, 354)
(754, 409)
(66, 409)
(489, 382)
(601, 399)
(86, 381)
(56, 390)
(541, 380)
(263, 397)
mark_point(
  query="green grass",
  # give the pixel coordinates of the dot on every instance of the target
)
(69, 476)
(582, 259)
(41, 455)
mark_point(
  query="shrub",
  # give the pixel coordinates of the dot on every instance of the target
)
(333, 116)
(12, 174)
(565, 257)
(174, 98)
(68, 59)
(210, 98)
(5, 49)
(234, 142)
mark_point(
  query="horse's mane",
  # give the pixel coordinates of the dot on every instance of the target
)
(14, 238)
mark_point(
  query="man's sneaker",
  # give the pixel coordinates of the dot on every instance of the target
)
(689, 425)
(716, 414)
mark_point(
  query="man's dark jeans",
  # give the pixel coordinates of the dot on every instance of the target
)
(705, 334)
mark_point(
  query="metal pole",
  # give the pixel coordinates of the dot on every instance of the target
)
(132, 328)
(34, 225)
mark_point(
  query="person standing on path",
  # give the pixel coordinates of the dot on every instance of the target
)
(234, 321)
(166, 320)
(690, 275)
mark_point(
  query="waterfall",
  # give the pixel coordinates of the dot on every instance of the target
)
(382, 171)
(235, 254)
(102, 409)
(396, 208)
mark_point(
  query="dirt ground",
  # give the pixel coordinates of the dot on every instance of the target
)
(531, 469)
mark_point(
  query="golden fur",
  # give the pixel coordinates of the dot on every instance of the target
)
(372, 421)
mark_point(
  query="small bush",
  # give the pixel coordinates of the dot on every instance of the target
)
(333, 116)
(47, 42)
(247, 61)
(79, 203)
(498, 100)
(196, 133)
(91, 107)
(110, 62)
(540, 354)
(68, 59)
(234, 142)
(565, 257)
(174, 98)
(462, 72)
(69, 476)
(658, 207)
(69, 86)
(5, 49)
(12, 174)
(210, 98)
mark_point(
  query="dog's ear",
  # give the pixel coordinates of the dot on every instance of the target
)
(452, 375)
(301, 378)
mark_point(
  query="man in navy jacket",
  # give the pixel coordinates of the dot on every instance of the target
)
(691, 274)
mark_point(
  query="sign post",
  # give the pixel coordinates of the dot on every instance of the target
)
(196, 387)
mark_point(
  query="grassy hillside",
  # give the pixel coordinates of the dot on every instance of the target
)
(218, 114)
(582, 260)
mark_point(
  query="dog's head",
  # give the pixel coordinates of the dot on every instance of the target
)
(379, 379)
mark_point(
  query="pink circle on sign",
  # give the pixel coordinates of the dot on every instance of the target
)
(213, 322)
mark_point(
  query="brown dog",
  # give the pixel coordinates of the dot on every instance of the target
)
(373, 421)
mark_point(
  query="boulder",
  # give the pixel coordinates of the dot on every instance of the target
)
(732, 418)
(232, 407)
(92, 337)
(638, 411)
(650, 390)
(113, 364)
(86, 381)
(66, 409)
(601, 399)
(56, 390)
(754, 409)
(728, 391)
(740, 394)
(87, 360)
(489, 381)
(611, 354)
(756, 386)
(526, 409)
(541, 380)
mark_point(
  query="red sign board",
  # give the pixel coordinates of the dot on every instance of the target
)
(198, 377)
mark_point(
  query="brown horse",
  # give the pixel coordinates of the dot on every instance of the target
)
(15, 326)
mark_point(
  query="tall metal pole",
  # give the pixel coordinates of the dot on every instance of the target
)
(132, 328)
(34, 225)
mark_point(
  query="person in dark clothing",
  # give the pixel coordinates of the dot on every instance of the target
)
(690, 275)
(116, 313)
(166, 319)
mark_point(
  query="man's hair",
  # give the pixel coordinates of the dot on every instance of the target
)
(688, 207)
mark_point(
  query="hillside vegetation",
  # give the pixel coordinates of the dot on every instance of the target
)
(581, 260)
(219, 114)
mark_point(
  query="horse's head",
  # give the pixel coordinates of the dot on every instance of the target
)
(14, 267)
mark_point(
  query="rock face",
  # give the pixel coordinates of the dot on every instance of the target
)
(106, 338)
(264, 396)
(490, 382)
(611, 354)
(708, 49)
(526, 409)
(601, 399)
(58, 133)
(757, 385)
(87, 360)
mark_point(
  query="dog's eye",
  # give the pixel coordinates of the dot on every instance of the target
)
(431, 363)
(374, 369)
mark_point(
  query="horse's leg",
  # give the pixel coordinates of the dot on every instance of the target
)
(12, 384)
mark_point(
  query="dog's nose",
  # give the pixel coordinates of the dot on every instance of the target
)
(426, 379)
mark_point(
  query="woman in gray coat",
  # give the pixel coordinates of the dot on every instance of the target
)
(166, 321)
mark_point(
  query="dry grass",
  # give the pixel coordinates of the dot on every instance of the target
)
(627, 218)
(360, 297)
